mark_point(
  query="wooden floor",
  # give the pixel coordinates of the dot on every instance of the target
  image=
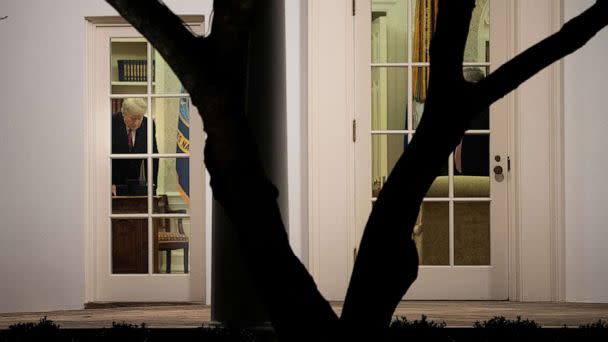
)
(455, 314)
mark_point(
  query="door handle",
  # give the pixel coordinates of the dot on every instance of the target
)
(498, 173)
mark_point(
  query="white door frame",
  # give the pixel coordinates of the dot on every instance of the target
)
(452, 281)
(92, 193)
(536, 224)
(537, 227)
(331, 173)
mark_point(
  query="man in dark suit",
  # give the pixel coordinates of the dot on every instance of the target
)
(130, 136)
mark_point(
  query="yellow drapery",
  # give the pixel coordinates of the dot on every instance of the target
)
(424, 26)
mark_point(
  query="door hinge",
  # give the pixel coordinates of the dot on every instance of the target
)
(354, 130)
(354, 7)
(508, 163)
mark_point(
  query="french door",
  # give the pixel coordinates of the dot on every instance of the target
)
(148, 197)
(462, 231)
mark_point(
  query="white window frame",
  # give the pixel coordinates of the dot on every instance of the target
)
(93, 146)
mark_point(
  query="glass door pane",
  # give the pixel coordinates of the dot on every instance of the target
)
(477, 49)
(165, 80)
(433, 238)
(389, 98)
(390, 26)
(472, 233)
(128, 66)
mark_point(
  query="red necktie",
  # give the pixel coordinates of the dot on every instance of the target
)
(130, 138)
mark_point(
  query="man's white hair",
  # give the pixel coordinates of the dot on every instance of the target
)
(134, 105)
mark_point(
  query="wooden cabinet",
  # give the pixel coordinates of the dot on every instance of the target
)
(130, 235)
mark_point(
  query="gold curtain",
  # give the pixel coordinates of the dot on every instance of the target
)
(424, 25)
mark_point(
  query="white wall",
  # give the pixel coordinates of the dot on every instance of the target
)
(586, 162)
(42, 85)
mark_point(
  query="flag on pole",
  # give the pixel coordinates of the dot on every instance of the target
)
(182, 165)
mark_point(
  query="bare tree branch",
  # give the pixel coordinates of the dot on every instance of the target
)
(573, 35)
(214, 71)
(374, 290)
(233, 15)
(453, 20)
(172, 42)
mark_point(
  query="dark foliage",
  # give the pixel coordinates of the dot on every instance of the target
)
(600, 324)
(500, 328)
(497, 328)
(123, 331)
(401, 322)
(422, 330)
(401, 330)
(500, 322)
(45, 329)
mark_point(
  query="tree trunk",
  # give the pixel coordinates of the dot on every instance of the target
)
(213, 70)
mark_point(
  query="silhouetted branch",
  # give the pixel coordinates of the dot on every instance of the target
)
(214, 71)
(453, 20)
(233, 15)
(573, 35)
(374, 290)
(173, 42)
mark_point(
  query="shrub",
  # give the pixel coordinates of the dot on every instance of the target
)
(45, 329)
(418, 330)
(600, 324)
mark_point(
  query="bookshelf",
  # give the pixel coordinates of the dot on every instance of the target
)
(128, 65)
